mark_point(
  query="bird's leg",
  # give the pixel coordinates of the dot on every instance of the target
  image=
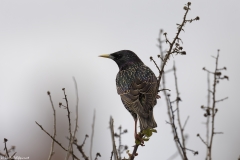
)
(137, 136)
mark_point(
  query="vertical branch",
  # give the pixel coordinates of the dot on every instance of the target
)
(54, 127)
(76, 124)
(213, 108)
(120, 142)
(165, 92)
(5, 147)
(7, 156)
(178, 48)
(178, 110)
(208, 118)
(80, 147)
(69, 126)
(92, 134)
(212, 111)
(113, 140)
(176, 138)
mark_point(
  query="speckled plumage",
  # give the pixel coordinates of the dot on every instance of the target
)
(137, 87)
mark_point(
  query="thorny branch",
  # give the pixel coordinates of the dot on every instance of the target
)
(164, 91)
(212, 111)
(178, 110)
(70, 147)
(177, 49)
(176, 137)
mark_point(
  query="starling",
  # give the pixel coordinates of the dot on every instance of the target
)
(137, 87)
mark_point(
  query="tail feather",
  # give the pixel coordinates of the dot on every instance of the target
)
(147, 123)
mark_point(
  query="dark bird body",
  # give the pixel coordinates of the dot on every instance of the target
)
(137, 86)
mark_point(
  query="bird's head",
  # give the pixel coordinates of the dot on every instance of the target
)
(124, 58)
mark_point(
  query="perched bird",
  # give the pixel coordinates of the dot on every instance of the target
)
(137, 87)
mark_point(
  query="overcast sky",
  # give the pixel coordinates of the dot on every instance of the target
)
(45, 43)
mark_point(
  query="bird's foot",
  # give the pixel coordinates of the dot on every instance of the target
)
(158, 97)
(138, 139)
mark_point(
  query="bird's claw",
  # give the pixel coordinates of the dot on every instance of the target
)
(138, 137)
(158, 97)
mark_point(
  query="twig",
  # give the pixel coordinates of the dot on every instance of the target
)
(111, 155)
(178, 111)
(54, 127)
(173, 156)
(120, 141)
(213, 110)
(56, 140)
(165, 93)
(185, 123)
(198, 135)
(176, 138)
(5, 147)
(194, 152)
(121, 148)
(76, 124)
(97, 155)
(134, 153)
(151, 58)
(11, 158)
(69, 126)
(80, 147)
(6, 156)
(176, 38)
(94, 113)
(113, 140)
(222, 99)
(208, 117)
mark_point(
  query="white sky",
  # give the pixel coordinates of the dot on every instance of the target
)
(45, 43)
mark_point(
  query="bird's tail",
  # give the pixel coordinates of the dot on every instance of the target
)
(149, 122)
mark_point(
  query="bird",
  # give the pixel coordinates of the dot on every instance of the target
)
(137, 86)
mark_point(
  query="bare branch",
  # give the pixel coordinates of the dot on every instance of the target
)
(69, 126)
(198, 135)
(80, 147)
(56, 140)
(185, 123)
(76, 124)
(176, 38)
(91, 145)
(113, 140)
(178, 111)
(176, 138)
(5, 147)
(166, 94)
(221, 99)
(54, 127)
(97, 155)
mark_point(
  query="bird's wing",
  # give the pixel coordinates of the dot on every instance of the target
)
(138, 90)
(148, 92)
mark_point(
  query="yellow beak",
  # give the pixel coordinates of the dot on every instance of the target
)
(106, 56)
